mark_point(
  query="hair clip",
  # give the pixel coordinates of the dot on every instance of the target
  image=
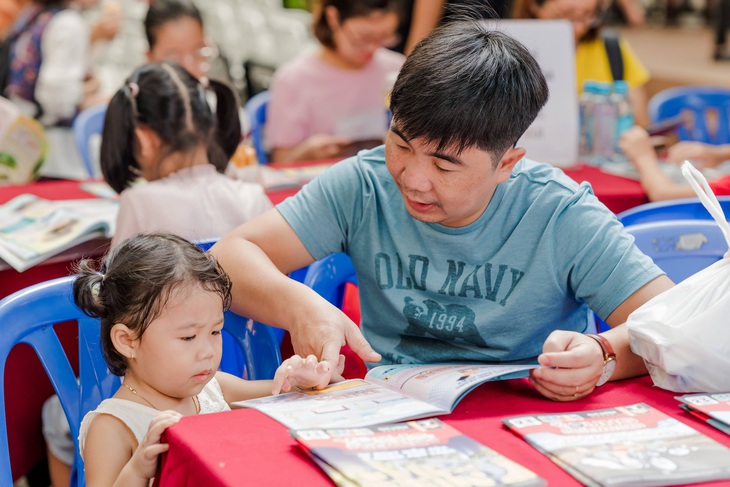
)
(133, 89)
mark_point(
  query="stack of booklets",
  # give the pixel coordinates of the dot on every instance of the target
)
(33, 229)
(712, 408)
(416, 453)
(633, 445)
(389, 393)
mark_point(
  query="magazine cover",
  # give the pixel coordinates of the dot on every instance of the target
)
(713, 408)
(633, 445)
(424, 453)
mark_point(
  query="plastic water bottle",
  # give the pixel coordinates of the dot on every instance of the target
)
(586, 102)
(624, 114)
(604, 125)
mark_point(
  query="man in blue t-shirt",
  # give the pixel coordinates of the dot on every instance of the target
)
(464, 249)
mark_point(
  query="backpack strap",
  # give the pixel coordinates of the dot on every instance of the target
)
(613, 50)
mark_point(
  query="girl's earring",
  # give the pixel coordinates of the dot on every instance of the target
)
(131, 357)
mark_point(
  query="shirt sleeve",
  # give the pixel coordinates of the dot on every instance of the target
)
(64, 47)
(597, 258)
(129, 218)
(324, 211)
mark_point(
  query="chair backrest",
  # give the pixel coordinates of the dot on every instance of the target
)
(679, 209)
(256, 109)
(680, 247)
(329, 276)
(88, 123)
(706, 111)
(28, 316)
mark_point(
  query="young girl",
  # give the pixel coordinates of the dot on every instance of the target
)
(159, 126)
(333, 96)
(161, 302)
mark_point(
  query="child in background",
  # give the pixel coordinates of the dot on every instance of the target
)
(165, 289)
(160, 127)
(591, 55)
(637, 147)
(334, 95)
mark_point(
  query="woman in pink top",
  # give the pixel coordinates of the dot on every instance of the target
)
(331, 99)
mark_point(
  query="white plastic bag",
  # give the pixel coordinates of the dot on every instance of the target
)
(683, 334)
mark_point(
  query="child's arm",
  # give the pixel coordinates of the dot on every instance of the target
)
(707, 155)
(637, 147)
(111, 454)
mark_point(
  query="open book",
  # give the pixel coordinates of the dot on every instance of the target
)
(389, 393)
(423, 453)
(626, 446)
(712, 408)
(33, 229)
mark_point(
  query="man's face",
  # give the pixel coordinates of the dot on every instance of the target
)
(444, 186)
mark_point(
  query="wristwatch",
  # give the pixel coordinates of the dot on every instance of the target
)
(609, 358)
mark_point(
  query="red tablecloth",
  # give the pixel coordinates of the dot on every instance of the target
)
(616, 192)
(245, 447)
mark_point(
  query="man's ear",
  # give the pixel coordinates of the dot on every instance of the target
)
(507, 163)
(124, 339)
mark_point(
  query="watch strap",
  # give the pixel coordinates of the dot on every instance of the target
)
(608, 352)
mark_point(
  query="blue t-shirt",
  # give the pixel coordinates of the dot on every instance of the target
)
(543, 251)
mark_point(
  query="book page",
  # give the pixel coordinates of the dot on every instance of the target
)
(442, 385)
(350, 403)
(418, 453)
(625, 446)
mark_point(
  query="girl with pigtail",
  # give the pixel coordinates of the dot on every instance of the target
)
(159, 127)
(161, 300)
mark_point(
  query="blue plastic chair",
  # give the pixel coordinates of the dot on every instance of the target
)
(679, 209)
(680, 247)
(256, 109)
(706, 108)
(88, 123)
(28, 316)
(329, 276)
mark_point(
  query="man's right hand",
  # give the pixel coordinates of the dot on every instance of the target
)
(325, 333)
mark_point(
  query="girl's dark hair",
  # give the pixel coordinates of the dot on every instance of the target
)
(164, 11)
(347, 9)
(167, 99)
(135, 281)
(522, 9)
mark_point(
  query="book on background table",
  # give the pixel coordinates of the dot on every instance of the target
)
(627, 446)
(388, 393)
(424, 453)
(33, 229)
(711, 408)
